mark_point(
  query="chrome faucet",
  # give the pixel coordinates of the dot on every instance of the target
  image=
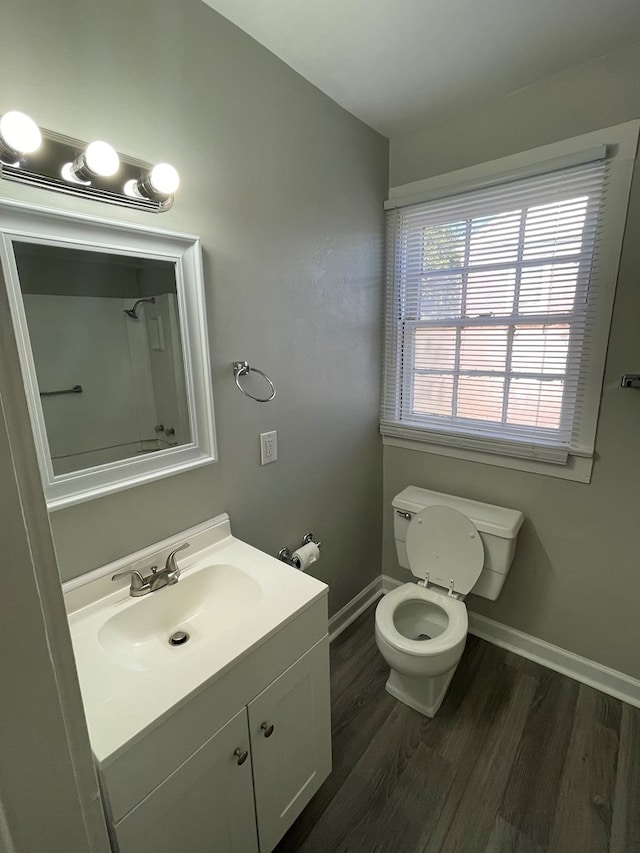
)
(144, 584)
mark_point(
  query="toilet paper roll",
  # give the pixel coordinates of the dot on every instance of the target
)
(307, 555)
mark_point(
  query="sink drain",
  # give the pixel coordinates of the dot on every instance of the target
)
(178, 638)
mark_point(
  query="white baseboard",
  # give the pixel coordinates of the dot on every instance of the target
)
(586, 671)
(350, 612)
(389, 583)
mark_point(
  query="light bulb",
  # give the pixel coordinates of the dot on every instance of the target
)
(20, 133)
(157, 185)
(70, 174)
(164, 179)
(101, 159)
(131, 189)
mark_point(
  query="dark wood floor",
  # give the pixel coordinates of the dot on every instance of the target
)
(518, 758)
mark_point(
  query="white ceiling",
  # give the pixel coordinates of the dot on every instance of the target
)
(400, 64)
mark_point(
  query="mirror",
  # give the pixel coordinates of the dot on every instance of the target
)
(111, 331)
(118, 390)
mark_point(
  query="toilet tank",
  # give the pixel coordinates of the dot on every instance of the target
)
(498, 528)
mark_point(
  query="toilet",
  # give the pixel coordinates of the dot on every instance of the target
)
(452, 546)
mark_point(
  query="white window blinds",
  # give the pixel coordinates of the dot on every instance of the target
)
(491, 296)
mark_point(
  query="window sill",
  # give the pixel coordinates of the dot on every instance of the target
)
(577, 468)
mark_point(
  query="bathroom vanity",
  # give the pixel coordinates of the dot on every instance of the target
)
(216, 744)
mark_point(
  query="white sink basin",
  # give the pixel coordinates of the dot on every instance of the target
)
(204, 604)
(230, 599)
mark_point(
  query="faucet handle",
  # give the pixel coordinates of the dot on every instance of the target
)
(137, 581)
(171, 565)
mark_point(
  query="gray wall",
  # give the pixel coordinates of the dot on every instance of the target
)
(286, 190)
(575, 580)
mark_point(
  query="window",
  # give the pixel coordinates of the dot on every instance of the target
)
(496, 304)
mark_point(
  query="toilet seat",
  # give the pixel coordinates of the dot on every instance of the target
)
(455, 611)
(446, 544)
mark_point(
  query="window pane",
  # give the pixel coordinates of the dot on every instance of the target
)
(548, 289)
(443, 246)
(535, 403)
(440, 296)
(484, 348)
(480, 397)
(435, 349)
(540, 349)
(494, 239)
(555, 229)
(490, 293)
(432, 394)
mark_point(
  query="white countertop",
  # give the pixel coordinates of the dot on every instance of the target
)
(123, 694)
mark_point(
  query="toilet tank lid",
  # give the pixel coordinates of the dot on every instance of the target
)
(488, 518)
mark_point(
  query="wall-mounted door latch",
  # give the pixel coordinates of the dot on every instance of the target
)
(630, 380)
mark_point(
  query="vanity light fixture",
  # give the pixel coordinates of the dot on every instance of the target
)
(19, 135)
(48, 160)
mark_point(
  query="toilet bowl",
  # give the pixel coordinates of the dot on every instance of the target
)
(421, 628)
(421, 633)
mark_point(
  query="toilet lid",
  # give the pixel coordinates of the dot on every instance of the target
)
(445, 543)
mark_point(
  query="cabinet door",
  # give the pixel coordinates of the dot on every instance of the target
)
(290, 725)
(205, 806)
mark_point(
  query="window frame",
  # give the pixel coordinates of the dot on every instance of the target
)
(619, 145)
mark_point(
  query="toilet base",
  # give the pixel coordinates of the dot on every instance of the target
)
(423, 694)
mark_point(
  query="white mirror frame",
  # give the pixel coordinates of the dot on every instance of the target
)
(45, 226)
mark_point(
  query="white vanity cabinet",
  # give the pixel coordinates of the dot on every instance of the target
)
(206, 805)
(243, 787)
(290, 726)
(217, 744)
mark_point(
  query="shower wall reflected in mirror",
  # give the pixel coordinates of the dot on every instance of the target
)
(106, 343)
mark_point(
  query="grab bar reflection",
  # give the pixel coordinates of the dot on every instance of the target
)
(77, 389)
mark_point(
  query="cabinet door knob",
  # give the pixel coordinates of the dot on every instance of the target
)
(241, 755)
(267, 728)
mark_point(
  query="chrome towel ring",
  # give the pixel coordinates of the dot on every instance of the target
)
(243, 368)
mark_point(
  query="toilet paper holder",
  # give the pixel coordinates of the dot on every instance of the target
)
(285, 555)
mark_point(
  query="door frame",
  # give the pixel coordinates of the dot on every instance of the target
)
(49, 790)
